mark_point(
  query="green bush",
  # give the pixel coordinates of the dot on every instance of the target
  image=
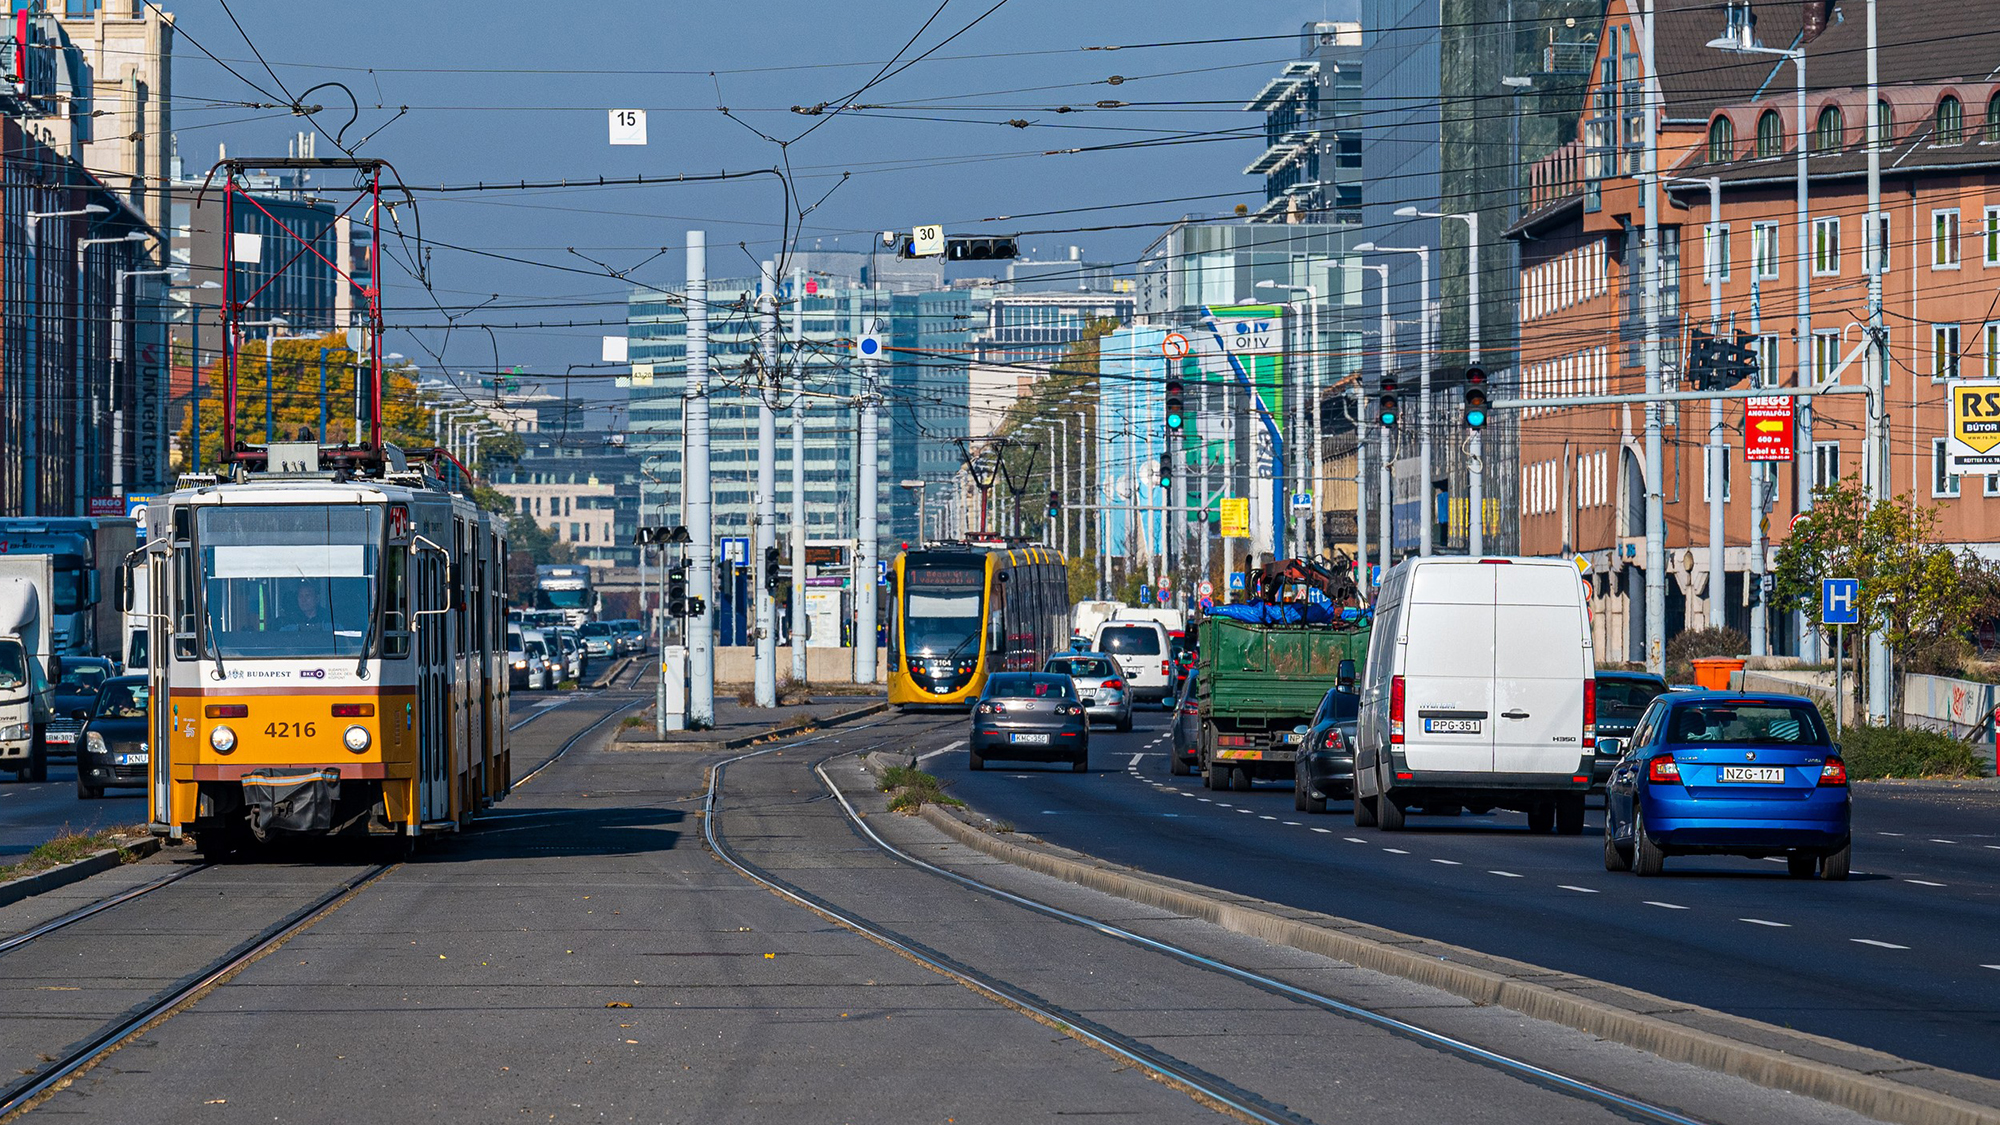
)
(1691, 645)
(1877, 752)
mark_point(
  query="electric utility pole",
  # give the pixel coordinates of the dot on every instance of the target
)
(765, 547)
(696, 502)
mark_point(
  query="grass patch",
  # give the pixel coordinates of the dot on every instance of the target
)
(912, 789)
(1886, 752)
(633, 721)
(67, 847)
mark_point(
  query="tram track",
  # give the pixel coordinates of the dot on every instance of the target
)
(1215, 1090)
(57, 1067)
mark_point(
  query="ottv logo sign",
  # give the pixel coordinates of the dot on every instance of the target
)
(1259, 336)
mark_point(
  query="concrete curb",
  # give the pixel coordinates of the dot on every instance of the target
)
(1816, 1067)
(28, 886)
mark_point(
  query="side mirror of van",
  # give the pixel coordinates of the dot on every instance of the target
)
(124, 583)
(1611, 747)
(1344, 678)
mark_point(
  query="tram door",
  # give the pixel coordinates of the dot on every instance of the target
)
(433, 688)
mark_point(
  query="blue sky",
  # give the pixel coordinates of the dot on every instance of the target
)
(522, 91)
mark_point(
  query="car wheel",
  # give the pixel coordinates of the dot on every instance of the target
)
(1648, 858)
(1212, 777)
(1081, 763)
(975, 760)
(1364, 811)
(1125, 724)
(1303, 799)
(86, 792)
(1239, 779)
(1801, 865)
(1298, 791)
(1177, 765)
(1615, 857)
(1569, 816)
(1389, 813)
(1834, 866)
(1541, 817)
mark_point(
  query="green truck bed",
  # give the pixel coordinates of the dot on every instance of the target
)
(1251, 672)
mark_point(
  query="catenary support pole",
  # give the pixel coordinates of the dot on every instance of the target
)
(1875, 442)
(799, 668)
(1656, 529)
(697, 504)
(868, 477)
(765, 686)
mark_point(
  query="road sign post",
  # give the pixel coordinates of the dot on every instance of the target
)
(1839, 606)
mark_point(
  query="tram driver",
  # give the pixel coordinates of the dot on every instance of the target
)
(307, 616)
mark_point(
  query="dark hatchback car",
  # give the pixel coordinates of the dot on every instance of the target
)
(1621, 698)
(1030, 717)
(77, 682)
(1186, 756)
(1324, 770)
(112, 752)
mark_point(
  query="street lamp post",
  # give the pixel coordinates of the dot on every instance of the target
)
(1476, 445)
(86, 438)
(31, 409)
(1311, 532)
(117, 364)
(1427, 520)
(1384, 470)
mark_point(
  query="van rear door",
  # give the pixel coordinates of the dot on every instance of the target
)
(1447, 668)
(1541, 658)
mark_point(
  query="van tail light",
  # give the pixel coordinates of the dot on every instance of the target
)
(1396, 709)
(1590, 714)
(1833, 773)
(1663, 770)
(1166, 667)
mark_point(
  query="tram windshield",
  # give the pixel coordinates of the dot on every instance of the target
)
(942, 610)
(289, 582)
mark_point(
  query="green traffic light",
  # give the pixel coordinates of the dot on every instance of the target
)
(1173, 421)
(1475, 418)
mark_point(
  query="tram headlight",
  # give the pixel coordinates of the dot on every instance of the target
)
(356, 738)
(223, 739)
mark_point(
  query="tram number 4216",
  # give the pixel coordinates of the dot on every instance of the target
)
(290, 730)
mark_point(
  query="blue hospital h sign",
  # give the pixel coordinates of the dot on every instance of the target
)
(1840, 601)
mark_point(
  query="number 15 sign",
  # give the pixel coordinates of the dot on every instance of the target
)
(628, 126)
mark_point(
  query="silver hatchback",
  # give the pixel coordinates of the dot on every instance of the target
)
(1100, 686)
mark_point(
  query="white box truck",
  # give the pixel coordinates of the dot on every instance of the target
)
(26, 584)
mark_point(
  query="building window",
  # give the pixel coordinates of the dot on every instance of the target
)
(1829, 131)
(1826, 247)
(1992, 137)
(1721, 140)
(1885, 120)
(1990, 235)
(1992, 485)
(1991, 348)
(1826, 464)
(1768, 372)
(1878, 245)
(1770, 134)
(1944, 239)
(1942, 482)
(1707, 481)
(1764, 251)
(1944, 351)
(1826, 354)
(1950, 121)
(1716, 248)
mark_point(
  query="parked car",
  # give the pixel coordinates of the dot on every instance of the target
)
(1621, 698)
(1479, 693)
(1729, 773)
(1030, 716)
(598, 639)
(527, 660)
(1185, 758)
(76, 688)
(113, 752)
(1100, 686)
(1324, 770)
(1141, 650)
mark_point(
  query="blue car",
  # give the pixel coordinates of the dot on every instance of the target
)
(1729, 773)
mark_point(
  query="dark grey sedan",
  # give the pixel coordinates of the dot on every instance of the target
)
(1030, 717)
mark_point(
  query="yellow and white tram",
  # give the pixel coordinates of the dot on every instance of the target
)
(332, 657)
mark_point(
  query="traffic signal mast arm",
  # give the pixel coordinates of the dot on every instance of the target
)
(1678, 396)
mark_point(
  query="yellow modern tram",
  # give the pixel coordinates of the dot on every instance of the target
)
(962, 611)
(333, 658)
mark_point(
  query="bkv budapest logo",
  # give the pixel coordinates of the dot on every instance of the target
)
(313, 674)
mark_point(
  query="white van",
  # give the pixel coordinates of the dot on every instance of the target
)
(1088, 615)
(1144, 651)
(1479, 694)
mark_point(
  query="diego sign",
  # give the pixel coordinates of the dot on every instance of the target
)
(1972, 443)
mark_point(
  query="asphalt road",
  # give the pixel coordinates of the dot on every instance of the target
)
(1905, 957)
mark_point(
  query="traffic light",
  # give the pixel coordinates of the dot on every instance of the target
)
(1166, 471)
(1475, 398)
(1055, 504)
(1176, 407)
(677, 590)
(980, 249)
(1716, 364)
(771, 562)
(1388, 413)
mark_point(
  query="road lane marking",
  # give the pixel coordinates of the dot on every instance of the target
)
(1247, 812)
(1395, 851)
(1448, 862)
(1507, 874)
(1267, 818)
(1888, 833)
(1665, 905)
(1923, 883)
(1877, 944)
(1328, 831)
(1766, 922)
(1990, 966)
(1136, 758)
(1935, 840)
(945, 749)
(1204, 800)
(1354, 839)
(1578, 890)
(1295, 824)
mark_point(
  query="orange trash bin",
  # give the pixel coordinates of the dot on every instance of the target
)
(1713, 671)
